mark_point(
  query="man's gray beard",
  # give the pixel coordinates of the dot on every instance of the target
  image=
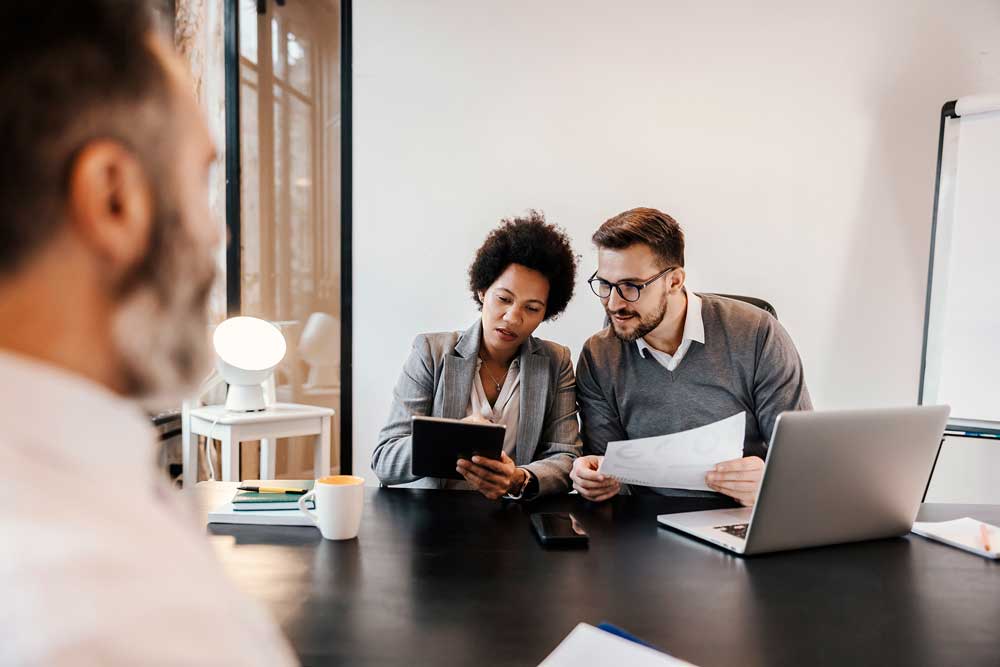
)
(646, 325)
(161, 326)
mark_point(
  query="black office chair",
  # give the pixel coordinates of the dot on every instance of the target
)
(752, 300)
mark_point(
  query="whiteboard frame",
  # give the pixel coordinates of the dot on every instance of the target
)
(949, 111)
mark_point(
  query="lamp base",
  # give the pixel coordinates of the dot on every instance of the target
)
(245, 398)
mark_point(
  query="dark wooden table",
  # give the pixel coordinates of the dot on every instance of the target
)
(450, 578)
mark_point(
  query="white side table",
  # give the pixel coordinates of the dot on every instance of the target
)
(282, 420)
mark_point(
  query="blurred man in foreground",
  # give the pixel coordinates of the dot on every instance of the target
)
(106, 262)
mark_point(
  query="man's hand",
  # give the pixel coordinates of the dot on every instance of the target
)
(490, 477)
(591, 484)
(739, 478)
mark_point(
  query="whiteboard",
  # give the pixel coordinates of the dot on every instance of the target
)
(961, 365)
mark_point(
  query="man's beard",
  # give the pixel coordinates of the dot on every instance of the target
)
(646, 323)
(161, 327)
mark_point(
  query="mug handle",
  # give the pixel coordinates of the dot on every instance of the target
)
(302, 506)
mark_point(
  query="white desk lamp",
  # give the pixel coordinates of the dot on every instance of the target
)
(247, 349)
(319, 345)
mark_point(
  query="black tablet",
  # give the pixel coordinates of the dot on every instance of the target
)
(439, 443)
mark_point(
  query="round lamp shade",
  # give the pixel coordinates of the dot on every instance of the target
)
(247, 349)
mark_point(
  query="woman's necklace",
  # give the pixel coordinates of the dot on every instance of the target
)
(493, 379)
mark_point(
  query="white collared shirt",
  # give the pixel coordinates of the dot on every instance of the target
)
(694, 332)
(101, 562)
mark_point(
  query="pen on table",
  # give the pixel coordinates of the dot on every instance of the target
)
(272, 489)
(985, 534)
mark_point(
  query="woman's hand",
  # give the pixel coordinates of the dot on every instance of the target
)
(492, 478)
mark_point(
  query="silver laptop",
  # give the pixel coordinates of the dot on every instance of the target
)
(831, 477)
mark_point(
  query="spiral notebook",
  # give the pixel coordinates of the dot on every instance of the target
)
(965, 533)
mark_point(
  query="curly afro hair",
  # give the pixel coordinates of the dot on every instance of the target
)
(530, 242)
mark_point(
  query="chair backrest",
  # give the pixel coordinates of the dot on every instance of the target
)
(752, 300)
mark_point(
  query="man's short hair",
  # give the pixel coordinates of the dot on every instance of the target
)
(73, 71)
(644, 225)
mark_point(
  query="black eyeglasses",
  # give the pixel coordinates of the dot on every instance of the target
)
(627, 290)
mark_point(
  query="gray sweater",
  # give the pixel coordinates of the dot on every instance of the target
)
(748, 363)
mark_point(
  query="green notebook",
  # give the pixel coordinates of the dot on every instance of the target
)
(251, 500)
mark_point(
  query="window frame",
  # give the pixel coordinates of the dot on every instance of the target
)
(233, 204)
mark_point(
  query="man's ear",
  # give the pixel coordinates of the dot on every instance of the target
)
(110, 203)
(677, 279)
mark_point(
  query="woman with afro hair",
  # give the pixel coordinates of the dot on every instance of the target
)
(497, 371)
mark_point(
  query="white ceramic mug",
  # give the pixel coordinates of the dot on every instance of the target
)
(339, 500)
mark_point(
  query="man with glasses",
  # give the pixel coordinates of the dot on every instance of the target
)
(672, 360)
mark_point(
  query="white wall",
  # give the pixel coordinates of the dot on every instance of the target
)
(795, 145)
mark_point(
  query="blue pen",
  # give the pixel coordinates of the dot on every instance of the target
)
(615, 630)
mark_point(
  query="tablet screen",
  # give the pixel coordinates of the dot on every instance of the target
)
(438, 444)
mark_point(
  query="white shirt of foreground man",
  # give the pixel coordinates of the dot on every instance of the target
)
(100, 561)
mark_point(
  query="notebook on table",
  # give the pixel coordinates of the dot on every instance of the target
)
(226, 514)
(965, 533)
(275, 509)
(245, 501)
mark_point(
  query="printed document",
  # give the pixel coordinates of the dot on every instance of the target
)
(679, 460)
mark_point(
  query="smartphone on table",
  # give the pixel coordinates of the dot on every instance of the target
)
(559, 529)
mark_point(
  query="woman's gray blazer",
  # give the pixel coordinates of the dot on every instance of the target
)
(437, 381)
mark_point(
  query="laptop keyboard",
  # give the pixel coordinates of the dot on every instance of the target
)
(736, 530)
